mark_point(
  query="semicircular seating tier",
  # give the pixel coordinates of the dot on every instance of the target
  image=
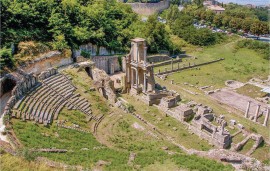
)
(45, 102)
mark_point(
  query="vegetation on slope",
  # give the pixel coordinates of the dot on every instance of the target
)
(260, 47)
(15, 163)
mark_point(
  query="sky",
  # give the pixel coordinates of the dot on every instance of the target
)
(243, 2)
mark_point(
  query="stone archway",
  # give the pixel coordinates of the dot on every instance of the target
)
(88, 71)
(7, 85)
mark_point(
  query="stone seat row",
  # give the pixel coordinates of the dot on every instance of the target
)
(78, 103)
(44, 103)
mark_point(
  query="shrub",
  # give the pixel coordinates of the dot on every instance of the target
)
(260, 47)
(253, 129)
(28, 155)
(130, 108)
(85, 54)
(6, 58)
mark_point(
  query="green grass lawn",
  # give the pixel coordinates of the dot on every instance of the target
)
(251, 91)
(247, 146)
(239, 65)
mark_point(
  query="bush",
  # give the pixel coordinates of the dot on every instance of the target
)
(60, 43)
(85, 54)
(6, 58)
(28, 155)
(130, 108)
(260, 47)
(253, 130)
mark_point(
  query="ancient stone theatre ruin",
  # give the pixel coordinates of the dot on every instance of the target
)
(139, 73)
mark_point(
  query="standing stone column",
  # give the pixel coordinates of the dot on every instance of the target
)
(127, 70)
(137, 52)
(172, 81)
(144, 82)
(172, 65)
(257, 113)
(137, 80)
(247, 110)
(144, 56)
(132, 77)
(266, 117)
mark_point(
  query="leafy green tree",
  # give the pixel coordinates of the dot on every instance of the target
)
(59, 42)
(171, 14)
(198, 2)
(218, 20)
(226, 20)
(246, 24)
(6, 58)
(259, 28)
(156, 35)
(235, 23)
(209, 15)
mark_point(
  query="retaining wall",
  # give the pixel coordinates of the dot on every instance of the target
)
(149, 8)
(167, 62)
(187, 67)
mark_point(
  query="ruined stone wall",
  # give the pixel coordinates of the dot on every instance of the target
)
(149, 8)
(46, 61)
(46, 74)
(104, 84)
(109, 64)
(186, 67)
(167, 62)
(158, 58)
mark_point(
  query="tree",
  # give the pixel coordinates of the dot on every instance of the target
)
(156, 35)
(259, 27)
(198, 2)
(226, 20)
(218, 20)
(171, 14)
(6, 58)
(209, 16)
(235, 23)
(246, 24)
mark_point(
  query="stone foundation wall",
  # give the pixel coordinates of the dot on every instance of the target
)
(186, 67)
(110, 64)
(168, 62)
(104, 84)
(149, 8)
(46, 61)
(46, 74)
(158, 58)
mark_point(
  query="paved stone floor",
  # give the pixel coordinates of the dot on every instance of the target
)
(237, 101)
